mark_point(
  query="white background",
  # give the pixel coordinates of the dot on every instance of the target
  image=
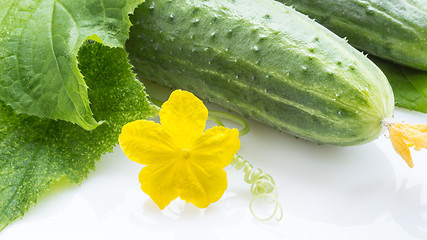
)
(327, 192)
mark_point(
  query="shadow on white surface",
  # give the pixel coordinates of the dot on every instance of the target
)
(408, 211)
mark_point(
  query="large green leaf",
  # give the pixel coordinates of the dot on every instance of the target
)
(35, 152)
(39, 41)
(409, 85)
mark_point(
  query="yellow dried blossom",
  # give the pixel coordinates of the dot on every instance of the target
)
(182, 160)
(404, 136)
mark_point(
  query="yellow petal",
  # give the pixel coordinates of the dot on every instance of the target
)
(146, 142)
(184, 117)
(420, 127)
(399, 145)
(202, 186)
(160, 182)
(404, 136)
(205, 181)
(217, 147)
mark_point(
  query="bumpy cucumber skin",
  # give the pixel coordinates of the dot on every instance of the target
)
(263, 60)
(395, 30)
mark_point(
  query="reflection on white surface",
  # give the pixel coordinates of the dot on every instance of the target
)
(408, 211)
(327, 192)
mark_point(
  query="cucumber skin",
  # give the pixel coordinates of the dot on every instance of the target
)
(265, 61)
(395, 30)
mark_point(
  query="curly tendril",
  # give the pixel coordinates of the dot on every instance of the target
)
(262, 187)
(262, 184)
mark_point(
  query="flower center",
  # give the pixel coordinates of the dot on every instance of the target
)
(185, 153)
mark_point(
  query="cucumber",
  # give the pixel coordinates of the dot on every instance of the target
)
(395, 30)
(263, 60)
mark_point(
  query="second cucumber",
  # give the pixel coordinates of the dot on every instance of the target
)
(395, 30)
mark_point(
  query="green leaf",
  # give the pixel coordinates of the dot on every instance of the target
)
(35, 152)
(409, 85)
(39, 41)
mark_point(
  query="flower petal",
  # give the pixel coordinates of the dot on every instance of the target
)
(217, 147)
(146, 142)
(205, 180)
(160, 182)
(203, 186)
(399, 144)
(183, 117)
(404, 136)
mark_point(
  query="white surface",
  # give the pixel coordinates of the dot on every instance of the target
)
(327, 192)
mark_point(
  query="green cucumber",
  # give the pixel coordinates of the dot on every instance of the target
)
(395, 30)
(266, 61)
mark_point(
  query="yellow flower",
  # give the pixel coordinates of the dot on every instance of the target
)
(181, 159)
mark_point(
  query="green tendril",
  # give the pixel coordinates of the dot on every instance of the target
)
(215, 115)
(262, 187)
(215, 120)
